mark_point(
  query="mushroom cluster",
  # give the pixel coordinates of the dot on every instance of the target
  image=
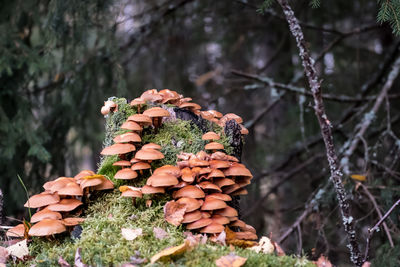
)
(57, 206)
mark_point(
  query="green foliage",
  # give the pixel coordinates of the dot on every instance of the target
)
(389, 11)
(315, 3)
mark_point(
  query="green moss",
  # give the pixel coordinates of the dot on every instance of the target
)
(174, 137)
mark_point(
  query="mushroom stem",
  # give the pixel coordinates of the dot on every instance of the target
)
(133, 201)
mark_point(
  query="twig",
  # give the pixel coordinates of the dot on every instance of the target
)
(250, 124)
(385, 227)
(325, 125)
(299, 90)
(298, 221)
(370, 116)
(376, 227)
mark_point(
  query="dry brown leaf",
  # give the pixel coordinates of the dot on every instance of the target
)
(131, 234)
(242, 243)
(78, 259)
(159, 233)
(171, 251)
(278, 249)
(358, 177)
(264, 246)
(4, 254)
(194, 240)
(173, 212)
(221, 238)
(62, 262)
(230, 260)
(19, 250)
(323, 262)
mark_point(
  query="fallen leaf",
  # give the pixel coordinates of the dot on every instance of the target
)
(173, 212)
(323, 262)
(128, 265)
(171, 251)
(230, 260)
(230, 235)
(62, 262)
(131, 234)
(4, 254)
(137, 259)
(264, 246)
(19, 250)
(278, 249)
(221, 238)
(359, 177)
(159, 233)
(242, 243)
(194, 240)
(366, 264)
(78, 259)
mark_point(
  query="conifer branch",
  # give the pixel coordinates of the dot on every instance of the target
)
(325, 125)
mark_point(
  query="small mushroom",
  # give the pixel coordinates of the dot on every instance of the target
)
(156, 114)
(47, 227)
(41, 200)
(67, 204)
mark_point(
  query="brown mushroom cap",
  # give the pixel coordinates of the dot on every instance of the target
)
(238, 223)
(47, 227)
(156, 112)
(205, 214)
(238, 171)
(127, 138)
(187, 175)
(122, 163)
(220, 219)
(213, 228)
(151, 95)
(213, 204)
(149, 154)
(169, 169)
(66, 204)
(216, 114)
(203, 222)
(137, 101)
(146, 189)
(220, 196)
(191, 203)
(117, 149)
(152, 146)
(16, 231)
(223, 182)
(240, 192)
(45, 214)
(125, 174)
(191, 216)
(141, 119)
(246, 235)
(132, 126)
(244, 130)
(214, 146)
(195, 162)
(72, 221)
(89, 182)
(192, 106)
(162, 180)
(140, 166)
(105, 185)
(41, 200)
(132, 193)
(169, 95)
(83, 174)
(209, 186)
(58, 183)
(231, 116)
(210, 136)
(189, 191)
(71, 189)
(219, 164)
(227, 212)
(215, 173)
(230, 189)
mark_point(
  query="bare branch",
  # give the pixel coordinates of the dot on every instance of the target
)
(370, 116)
(1, 207)
(375, 229)
(325, 125)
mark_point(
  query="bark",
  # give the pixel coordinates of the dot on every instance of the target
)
(1, 207)
(325, 125)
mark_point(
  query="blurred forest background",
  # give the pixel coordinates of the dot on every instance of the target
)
(59, 60)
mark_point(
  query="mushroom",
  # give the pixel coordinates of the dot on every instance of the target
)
(45, 214)
(125, 174)
(122, 163)
(138, 102)
(129, 137)
(210, 136)
(191, 216)
(156, 114)
(169, 96)
(141, 119)
(162, 180)
(169, 169)
(152, 146)
(117, 149)
(47, 227)
(16, 231)
(41, 200)
(146, 189)
(200, 223)
(220, 219)
(67, 204)
(151, 95)
(213, 228)
(130, 191)
(190, 191)
(72, 221)
(191, 203)
(227, 212)
(220, 196)
(149, 154)
(132, 126)
(71, 189)
(214, 146)
(140, 166)
(213, 204)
